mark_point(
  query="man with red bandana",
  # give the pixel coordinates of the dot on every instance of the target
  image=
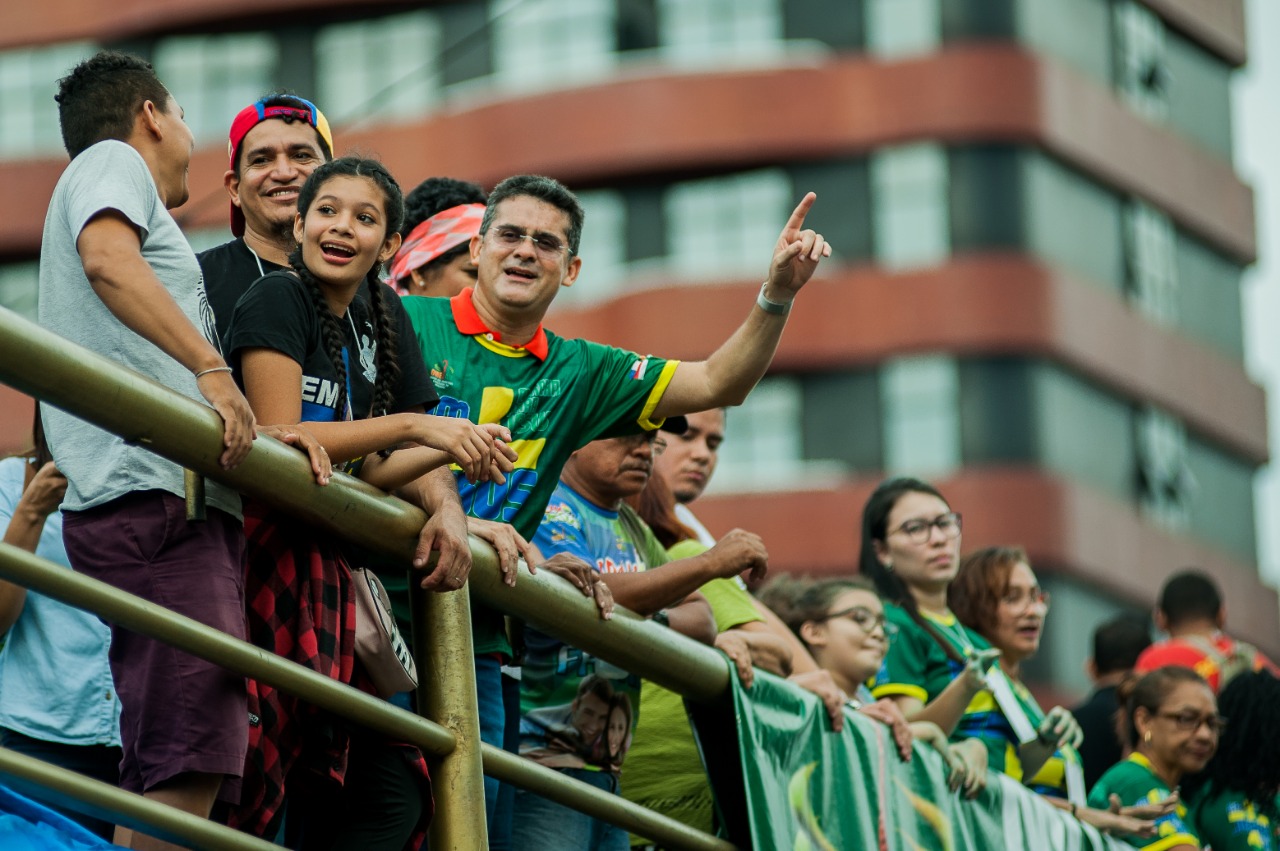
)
(492, 361)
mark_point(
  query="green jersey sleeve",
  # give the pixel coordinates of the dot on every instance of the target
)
(626, 387)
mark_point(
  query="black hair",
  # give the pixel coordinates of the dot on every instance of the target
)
(1248, 756)
(545, 189)
(875, 523)
(285, 99)
(384, 391)
(1119, 642)
(99, 99)
(438, 193)
(1149, 692)
(1190, 595)
(433, 195)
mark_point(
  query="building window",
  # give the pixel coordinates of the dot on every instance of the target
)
(920, 397)
(1152, 263)
(706, 32)
(726, 227)
(1165, 484)
(19, 285)
(28, 81)
(214, 77)
(909, 202)
(762, 447)
(541, 44)
(603, 250)
(903, 27)
(1142, 74)
(379, 68)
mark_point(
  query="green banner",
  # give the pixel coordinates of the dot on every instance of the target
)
(804, 787)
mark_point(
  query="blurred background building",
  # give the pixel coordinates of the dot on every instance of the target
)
(1039, 236)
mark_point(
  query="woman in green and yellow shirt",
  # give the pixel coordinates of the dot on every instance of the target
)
(996, 593)
(1172, 723)
(935, 666)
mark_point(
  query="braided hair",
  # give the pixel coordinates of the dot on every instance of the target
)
(1248, 756)
(388, 364)
(875, 527)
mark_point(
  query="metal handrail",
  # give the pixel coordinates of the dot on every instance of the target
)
(23, 568)
(38, 779)
(42, 364)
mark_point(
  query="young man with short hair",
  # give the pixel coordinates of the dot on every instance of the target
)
(1116, 647)
(117, 276)
(1191, 611)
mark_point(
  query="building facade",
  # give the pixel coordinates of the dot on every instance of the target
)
(1038, 235)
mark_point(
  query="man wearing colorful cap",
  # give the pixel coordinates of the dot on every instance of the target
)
(274, 145)
(441, 216)
(492, 361)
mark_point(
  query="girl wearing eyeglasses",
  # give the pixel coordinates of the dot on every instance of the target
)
(935, 666)
(1172, 724)
(997, 595)
(1233, 802)
(842, 623)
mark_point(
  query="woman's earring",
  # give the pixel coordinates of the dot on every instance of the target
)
(888, 565)
(1147, 737)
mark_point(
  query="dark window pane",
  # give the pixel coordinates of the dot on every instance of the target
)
(842, 419)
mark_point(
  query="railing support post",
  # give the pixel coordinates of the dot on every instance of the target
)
(447, 696)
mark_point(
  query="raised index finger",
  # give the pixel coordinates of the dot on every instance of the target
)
(796, 222)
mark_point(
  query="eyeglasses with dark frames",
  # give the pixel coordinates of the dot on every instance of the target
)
(1189, 722)
(918, 529)
(865, 618)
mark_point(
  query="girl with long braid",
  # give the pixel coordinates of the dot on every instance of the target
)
(935, 666)
(307, 350)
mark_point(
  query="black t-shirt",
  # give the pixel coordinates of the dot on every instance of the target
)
(230, 268)
(277, 312)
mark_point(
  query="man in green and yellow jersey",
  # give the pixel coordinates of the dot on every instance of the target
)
(493, 362)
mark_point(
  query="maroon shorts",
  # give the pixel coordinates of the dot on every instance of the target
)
(179, 714)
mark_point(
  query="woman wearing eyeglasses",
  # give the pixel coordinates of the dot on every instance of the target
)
(842, 624)
(1172, 723)
(996, 594)
(935, 666)
(1233, 802)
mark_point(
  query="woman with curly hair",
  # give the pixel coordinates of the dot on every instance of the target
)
(1233, 801)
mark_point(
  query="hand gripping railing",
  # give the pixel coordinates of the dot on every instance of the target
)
(38, 362)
